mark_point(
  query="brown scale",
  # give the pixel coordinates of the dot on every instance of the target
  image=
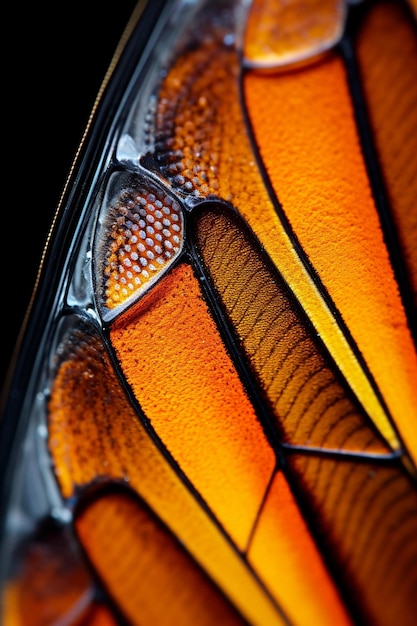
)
(310, 403)
(53, 584)
(367, 515)
(142, 233)
(199, 142)
(95, 435)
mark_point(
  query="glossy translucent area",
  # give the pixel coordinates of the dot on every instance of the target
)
(140, 235)
(280, 33)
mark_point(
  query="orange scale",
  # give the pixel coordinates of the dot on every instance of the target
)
(146, 570)
(175, 362)
(387, 54)
(318, 173)
(285, 556)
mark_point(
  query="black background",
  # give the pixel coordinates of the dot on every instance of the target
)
(54, 62)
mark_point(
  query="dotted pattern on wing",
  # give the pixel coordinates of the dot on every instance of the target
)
(141, 234)
(96, 434)
(173, 357)
(200, 128)
(199, 146)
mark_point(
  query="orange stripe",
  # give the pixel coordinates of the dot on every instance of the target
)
(303, 122)
(387, 53)
(366, 515)
(95, 433)
(209, 145)
(286, 558)
(145, 569)
(174, 359)
(310, 402)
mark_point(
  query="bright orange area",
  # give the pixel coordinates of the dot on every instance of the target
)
(208, 148)
(366, 517)
(149, 574)
(96, 434)
(286, 558)
(282, 33)
(304, 124)
(174, 359)
(310, 403)
(387, 55)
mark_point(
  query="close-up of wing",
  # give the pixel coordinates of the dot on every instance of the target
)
(211, 416)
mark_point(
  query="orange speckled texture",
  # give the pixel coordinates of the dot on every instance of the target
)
(173, 357)
(284, 554)
(281, 33)
(149, 574)
(387, 55)
(317, 171)
(311, 404)
(95, 434)
(200, 127)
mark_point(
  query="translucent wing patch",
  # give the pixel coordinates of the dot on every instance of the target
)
(140, 234)
(282, 33)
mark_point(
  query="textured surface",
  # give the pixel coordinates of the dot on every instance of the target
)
(310, 403)
(53, 584)
(146, 568)
(172, 356)
(318, 174)
(387, 54)
(141, 234)
(367, 518)
(200, 126)
(95, 434)
(287, 559)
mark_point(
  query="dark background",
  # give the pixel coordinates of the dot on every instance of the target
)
(54, 61)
